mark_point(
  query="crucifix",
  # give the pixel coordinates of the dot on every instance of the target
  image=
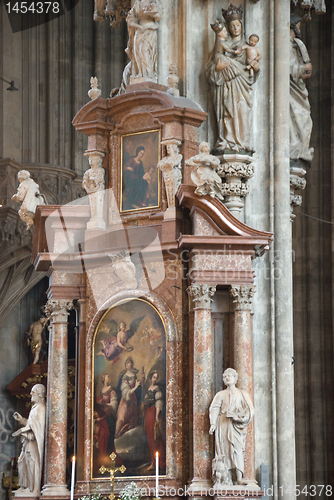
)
(112, 471)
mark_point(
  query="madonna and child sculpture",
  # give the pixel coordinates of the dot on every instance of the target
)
(232, 70)
(231, 411)
(30, 460)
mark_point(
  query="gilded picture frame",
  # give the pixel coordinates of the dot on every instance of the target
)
(129, 389)
(140, 177)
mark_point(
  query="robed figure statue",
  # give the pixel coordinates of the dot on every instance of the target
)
(30, 460)
(231, 411)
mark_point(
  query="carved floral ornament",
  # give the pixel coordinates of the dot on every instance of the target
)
(61, 306)
(124, 269)
(114, 10)
(318, 5)
(242, 297)
(201, 294)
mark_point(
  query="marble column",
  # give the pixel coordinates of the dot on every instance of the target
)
(80, 387)
(200, 298)
(242, 296)
(56, 410)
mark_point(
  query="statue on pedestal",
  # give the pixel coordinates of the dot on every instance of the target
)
(94, 184)
(231, 78)
(204, 174)
(143, 22)
(34, 337)
(28, 193)
(32, 437)
(231, 411)
(300, 109)
(94, 178)
(171, 168)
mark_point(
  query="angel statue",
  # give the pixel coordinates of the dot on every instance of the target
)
(28, 193)
(118, 342)
(204, 174)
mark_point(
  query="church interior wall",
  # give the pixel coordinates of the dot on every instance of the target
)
(52, 65)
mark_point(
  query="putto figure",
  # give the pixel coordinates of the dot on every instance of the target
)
(28, 193)
(231, 411)
(143, 22)
(204, 174)
(30, 460)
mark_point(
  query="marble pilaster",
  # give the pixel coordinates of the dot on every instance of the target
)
(242, 296)
(283, 369)
(80, 388)
(56, 425)
(200, 299)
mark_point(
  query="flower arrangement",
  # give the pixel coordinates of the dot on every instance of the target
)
(131, 492)
(93, 496)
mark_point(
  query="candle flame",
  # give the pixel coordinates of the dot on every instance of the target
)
(156, 454)
(73, 458)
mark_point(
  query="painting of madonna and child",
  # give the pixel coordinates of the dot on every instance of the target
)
(129, 389)
(140, 179)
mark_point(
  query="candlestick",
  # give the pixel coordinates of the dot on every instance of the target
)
(156, 474)
(72, 477)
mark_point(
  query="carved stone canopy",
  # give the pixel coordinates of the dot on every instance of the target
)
(318, 5)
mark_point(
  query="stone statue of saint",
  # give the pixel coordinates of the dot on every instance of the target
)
(171, 169)
(30, 460)
(94, 178)
(231, 81)
(204, 174)
(231, 411)
(28, 193)
(300, 109)
(143, 22)
(35, 340)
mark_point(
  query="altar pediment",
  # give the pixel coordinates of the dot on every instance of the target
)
(102, 115)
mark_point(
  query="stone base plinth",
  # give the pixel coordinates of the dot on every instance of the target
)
(142, 84)
(59, 491)
(23, 495)
(247, 491)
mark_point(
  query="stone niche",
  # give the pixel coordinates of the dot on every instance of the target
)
(172, 255)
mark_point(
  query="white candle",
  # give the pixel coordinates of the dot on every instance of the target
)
(156, 474)
(72, 477)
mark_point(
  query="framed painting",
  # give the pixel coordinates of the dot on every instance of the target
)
(129, 389)
(140, 177)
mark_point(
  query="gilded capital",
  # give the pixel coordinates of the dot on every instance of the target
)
(242, 297)
(201, 295)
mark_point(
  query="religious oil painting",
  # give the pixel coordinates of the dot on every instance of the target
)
(140, 179)
(129, 389)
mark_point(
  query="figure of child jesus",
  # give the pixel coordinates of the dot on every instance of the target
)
(222, 61)
(253, 54)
